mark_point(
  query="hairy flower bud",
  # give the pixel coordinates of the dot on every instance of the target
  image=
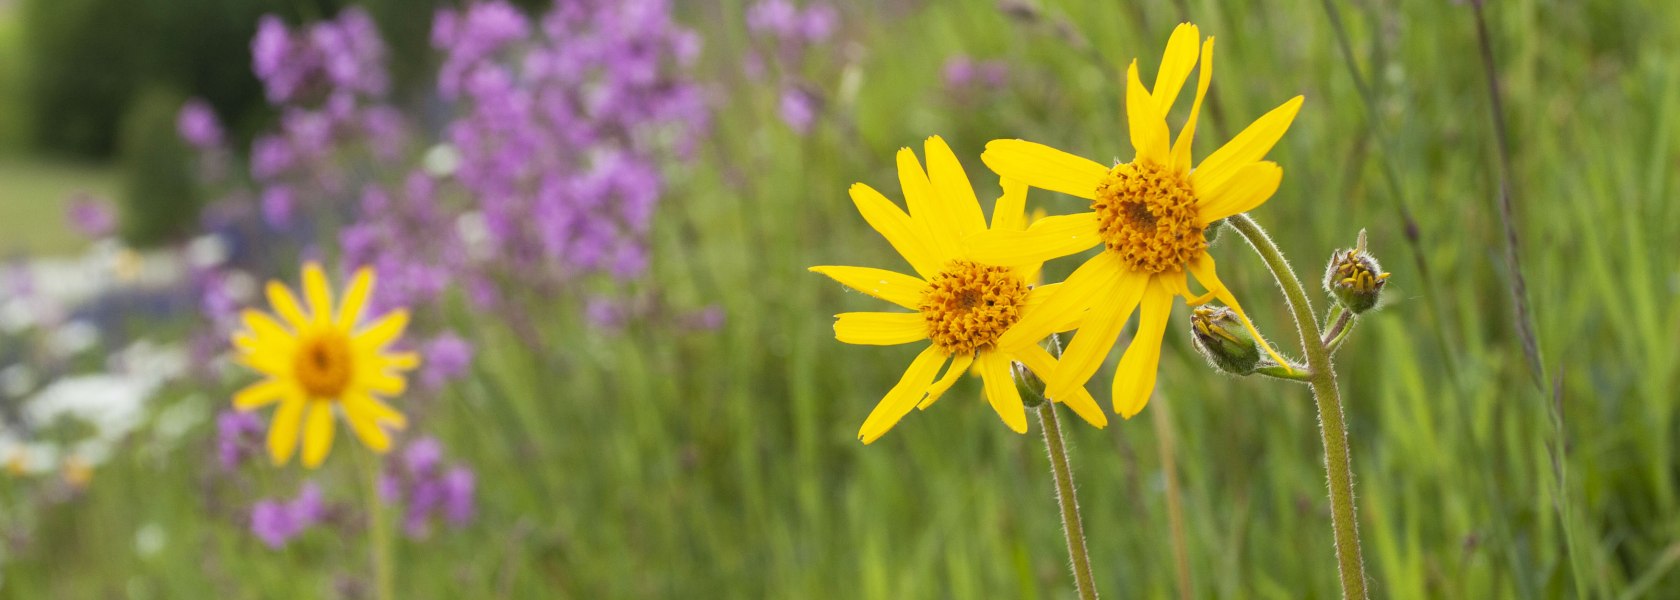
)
(1031, 387)
(1220, 336)
(1354, 278)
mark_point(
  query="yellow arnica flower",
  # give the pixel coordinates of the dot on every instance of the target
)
(1149, 214)
(967, 308)
(319, 360)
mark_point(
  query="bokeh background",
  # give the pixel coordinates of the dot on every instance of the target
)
(602, 212)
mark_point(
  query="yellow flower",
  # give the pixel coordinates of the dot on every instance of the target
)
(965, 307)
(318, 360)
(1149, 214)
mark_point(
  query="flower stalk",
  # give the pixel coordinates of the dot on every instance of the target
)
(1321, 376)
(379, 533)
(1072, 526)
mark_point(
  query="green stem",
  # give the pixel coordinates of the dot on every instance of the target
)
(1291, 373)
(1332, 426)
(378, 531)
(1339, 334)
(1072, 526)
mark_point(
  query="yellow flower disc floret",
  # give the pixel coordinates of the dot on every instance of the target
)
(1146, 213)
(324, 364)
(968, 305)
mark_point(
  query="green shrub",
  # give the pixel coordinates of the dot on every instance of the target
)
(159, 196)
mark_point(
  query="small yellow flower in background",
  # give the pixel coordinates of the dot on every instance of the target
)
(967, 308)
(77, 472)
(320, 360)
(1149, 214)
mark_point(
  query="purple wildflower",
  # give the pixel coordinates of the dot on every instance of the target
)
(276, 522)
(447, 357)
(198, 126)
(798, 109)
(238, 437)
(277, 202)
(426, 489)
(91, 216)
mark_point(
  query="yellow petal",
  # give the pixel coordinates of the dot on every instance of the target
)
(1250, 187)
(319, 293)
(382, 413)
(1181, 149)
(1096, 337)
(1148, 126)
(1086, 287)
(1009, 213)
(1134, 380)
(268, 332)
(1001, 392)
(1050, 237)
(286, 305)
(401, 361)
(1043, 167)
(951, 185)
(370, 376)
(1043, 364)
(1206, 273)
(1176, 63)
(903, 290)
(317, 433)
(879, 328)
(283, 430)
(1039, 296)
(1249, 146)
(928, 211)
(904, 396)
(367, 428)
(959, 365)
(384, 331)
(262, 393)
(355, 298)
(886, 218)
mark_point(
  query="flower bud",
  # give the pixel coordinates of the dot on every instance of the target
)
(1212, 231)
(1030, 386)
(1220, 336)
(1354, 278)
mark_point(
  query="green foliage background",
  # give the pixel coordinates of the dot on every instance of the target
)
(660, 462)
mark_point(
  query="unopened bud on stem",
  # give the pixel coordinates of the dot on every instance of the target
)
(1354, 278)
(1219, 335)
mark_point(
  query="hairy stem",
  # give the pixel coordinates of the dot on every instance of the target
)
(379, 535)
(1072, 526)
(1332, 426)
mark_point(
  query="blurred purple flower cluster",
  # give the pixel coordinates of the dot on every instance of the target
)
(789, 33)
(277, 522)
(419, 481)
(562, 124)
(329, 81)
(964, 74)
(239, 437)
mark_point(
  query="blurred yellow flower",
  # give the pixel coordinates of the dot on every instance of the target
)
(317, 360)
(77, 472)
(967, 308)
(1149, 214)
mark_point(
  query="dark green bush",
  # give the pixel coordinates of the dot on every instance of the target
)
(159, 196)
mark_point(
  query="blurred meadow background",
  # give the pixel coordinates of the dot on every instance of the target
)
(601, 214)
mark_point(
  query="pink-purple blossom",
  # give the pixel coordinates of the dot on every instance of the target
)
(277, 522)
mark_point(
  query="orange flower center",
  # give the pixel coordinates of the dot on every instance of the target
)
(323, 365)
(1147, 214)
(969, 305)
